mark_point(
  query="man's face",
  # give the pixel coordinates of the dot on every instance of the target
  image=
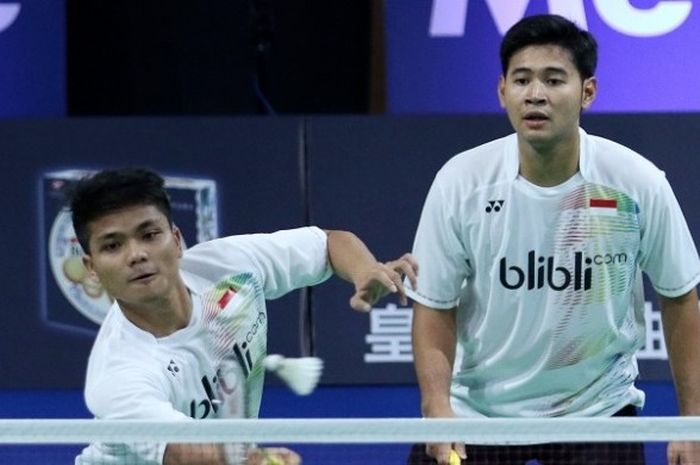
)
(543, 95)
(134, 253)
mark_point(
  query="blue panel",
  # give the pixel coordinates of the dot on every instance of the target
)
(32, 58)
(435, 72)
(370, 176)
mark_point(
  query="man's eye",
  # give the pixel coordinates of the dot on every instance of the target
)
(110, 247)
(151, 234)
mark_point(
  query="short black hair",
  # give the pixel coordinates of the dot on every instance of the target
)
(552, 30)
(107, 191)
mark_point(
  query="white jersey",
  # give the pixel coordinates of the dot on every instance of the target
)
(134, 375)
(547, 281)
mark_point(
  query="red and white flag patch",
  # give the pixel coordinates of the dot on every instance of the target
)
(226, 298)
(603, 206)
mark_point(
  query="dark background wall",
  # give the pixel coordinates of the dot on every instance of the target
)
(219, 57)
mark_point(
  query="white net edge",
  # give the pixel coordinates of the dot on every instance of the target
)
(353, 431)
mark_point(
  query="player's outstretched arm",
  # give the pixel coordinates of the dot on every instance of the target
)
(352, 261)
(434, 340)
(681, 322)
(217, 454)
(194, 454)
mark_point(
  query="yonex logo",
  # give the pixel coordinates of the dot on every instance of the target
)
(494, 205)
(173, 368)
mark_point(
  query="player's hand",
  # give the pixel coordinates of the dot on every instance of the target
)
(683, 453)
(273, 456)
(382, 279)
(443, 453)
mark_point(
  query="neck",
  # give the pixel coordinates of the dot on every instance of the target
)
(163, 316)
(549, 165)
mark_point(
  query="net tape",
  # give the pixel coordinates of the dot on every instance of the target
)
(353, 431)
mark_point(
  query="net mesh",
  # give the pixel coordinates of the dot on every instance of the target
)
(591, 441)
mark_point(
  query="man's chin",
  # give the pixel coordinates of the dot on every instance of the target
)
(537, 138)
(143, 296)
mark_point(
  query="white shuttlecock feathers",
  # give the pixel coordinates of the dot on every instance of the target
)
(300, 374)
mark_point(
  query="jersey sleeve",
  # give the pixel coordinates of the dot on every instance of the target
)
(131, 395)
(439, 249)
(668, 253)
(284, 260)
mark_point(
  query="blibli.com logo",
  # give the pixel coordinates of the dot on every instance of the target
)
(8, 14)
(448, 17)
(542, 271)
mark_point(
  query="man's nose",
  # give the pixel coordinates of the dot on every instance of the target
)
(137, 253)
(536, 93)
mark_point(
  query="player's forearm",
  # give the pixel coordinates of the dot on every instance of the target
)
(434, 341)
(681, 321)
(194, 454)
(348, 255)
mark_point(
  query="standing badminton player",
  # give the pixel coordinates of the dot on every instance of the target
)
(154, 357)
(531, 249)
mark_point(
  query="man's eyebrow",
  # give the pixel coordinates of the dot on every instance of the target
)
(108, 236)
(555, 69)
(548, 69)
(521, 69)
(140, 227)
(146, 224)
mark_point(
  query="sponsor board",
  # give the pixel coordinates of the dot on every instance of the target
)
(73, 300)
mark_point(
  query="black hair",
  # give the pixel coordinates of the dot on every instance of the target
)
(107, 191)
(552, 30)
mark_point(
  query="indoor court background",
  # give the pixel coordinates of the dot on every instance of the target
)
(301, 112)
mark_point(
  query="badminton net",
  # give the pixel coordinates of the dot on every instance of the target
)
(345, 441)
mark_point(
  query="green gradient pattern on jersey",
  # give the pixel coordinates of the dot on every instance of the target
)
(235, 316)
(606, 241)
(605, 238)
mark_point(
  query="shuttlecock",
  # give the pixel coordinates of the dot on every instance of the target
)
(300, 374)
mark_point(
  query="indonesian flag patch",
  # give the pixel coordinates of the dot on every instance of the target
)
(226, 298)
(603, 206)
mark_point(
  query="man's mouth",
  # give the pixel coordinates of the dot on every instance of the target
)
(535, 116)
(142, 277)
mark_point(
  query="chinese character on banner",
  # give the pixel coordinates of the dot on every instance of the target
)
(390, 335)
(655, 345)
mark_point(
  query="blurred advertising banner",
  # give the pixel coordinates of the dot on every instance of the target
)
(73, 300)
(443, 55)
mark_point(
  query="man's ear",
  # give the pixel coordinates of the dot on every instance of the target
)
(178, 239)
(87, 263)
(502, 91)
(589, 93)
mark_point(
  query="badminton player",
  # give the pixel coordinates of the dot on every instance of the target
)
(153, 357)
(531, 248)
